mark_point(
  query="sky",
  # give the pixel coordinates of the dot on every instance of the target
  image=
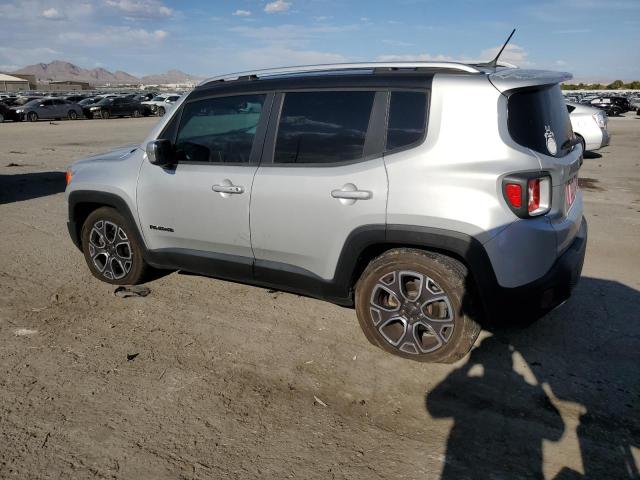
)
(596, 40)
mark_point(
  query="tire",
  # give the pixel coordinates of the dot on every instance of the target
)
(111, 248)
(161, 111)
(105, 114)
(72, 115)
(32, 116)
(1, 118)
(429, 315)
(136, 114)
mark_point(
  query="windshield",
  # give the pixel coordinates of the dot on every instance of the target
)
(539, 120)
(105, 101)
(86, 101)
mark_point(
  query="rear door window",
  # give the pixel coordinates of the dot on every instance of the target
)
(407, 119)
(323, 127)
(539, 120)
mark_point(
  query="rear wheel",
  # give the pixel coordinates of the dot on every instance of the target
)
(161, 111)
(417, 305)
(1, 118)
(32, 116)
(136, 113)
(582, 142)
(72, 115)
(111, 250)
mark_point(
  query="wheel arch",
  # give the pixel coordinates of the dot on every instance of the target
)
(82, 202)
(367, 243)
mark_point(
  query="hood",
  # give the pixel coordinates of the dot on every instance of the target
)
(117, 154)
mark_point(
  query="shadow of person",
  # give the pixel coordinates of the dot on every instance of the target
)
(588, 353)
(26, 186)
(499, 418)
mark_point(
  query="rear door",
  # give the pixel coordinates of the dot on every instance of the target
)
(321, 178)
(201, 207)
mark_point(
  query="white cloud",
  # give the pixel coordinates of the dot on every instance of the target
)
(512, 54)
(52, 14)
(560, 63)
(141, 8)
(241, 13)
(277, 6)
(420, 57)
(116, 36)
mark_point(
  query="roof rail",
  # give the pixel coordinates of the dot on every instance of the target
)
(340, 67)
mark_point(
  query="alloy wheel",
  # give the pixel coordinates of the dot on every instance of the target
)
(110, 250)
(411, 312)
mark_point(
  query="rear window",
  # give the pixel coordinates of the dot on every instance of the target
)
(323, 127)
(539, 120)
(407, 119)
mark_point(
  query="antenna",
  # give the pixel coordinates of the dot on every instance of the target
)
(494, 63)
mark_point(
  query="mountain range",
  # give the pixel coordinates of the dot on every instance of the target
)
(61, 70)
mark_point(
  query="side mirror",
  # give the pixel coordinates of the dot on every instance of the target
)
(160, 153)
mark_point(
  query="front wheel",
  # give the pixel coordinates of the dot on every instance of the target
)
(111, 249)
(1, 118)
(32, 116)
(136, 114)
(417, 305)
(161, 111)
(105, 115)
(72, 115)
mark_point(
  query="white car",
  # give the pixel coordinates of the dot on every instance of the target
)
(590, 125)
(162, 103)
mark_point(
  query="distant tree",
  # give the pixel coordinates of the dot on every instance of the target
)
(617, 85)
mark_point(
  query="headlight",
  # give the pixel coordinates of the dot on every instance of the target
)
(94, 108)
(20, 110)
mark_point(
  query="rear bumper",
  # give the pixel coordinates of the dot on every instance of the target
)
(531, 301)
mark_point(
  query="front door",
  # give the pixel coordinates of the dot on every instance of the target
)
(200, 208)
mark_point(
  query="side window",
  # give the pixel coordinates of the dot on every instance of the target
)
(219, 130)
(407, 119)
(323, 127)
(118, 101)
(48, 103)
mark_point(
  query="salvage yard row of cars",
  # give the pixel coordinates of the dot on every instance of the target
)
(36, 107)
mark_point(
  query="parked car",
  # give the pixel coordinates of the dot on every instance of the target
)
(590, 126)
(162, 103)
(608, 105)
(115, 107)
(76, 98)
(48, 108)
(352, 197)
(5, 113)
(622, 102)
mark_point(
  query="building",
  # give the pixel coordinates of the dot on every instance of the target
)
(68, 85)
(9, 83)
(33, 82)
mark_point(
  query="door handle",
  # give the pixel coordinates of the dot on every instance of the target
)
(352, 194)
(233, 189)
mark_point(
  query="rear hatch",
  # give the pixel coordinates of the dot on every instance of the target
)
(538, 120)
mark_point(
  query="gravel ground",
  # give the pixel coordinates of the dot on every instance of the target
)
(210, 379)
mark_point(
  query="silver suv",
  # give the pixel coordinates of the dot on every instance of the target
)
(431, 196)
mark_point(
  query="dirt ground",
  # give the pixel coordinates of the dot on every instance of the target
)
(210, 379)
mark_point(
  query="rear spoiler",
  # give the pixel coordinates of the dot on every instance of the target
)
(512, 78)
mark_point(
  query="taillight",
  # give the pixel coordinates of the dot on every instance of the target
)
(513, 193)
(69, 176)
(600, 119)
(528, 195)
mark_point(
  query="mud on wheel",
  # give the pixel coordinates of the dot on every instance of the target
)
(111, 250)
(417, 305)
